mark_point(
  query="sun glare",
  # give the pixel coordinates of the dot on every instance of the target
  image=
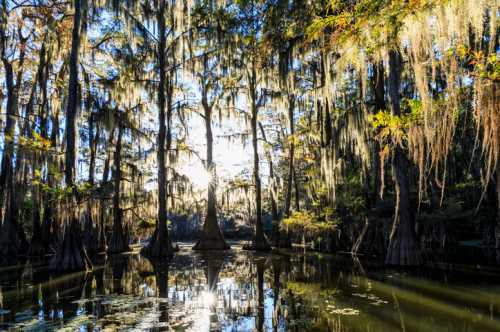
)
(198, 175)
(208, 299)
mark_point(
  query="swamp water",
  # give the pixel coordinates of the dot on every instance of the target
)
(244, 291)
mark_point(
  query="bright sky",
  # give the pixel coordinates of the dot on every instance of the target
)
(231, 157)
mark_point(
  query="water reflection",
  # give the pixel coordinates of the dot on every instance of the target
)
(241, 291)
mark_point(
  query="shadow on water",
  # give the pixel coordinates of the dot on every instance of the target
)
(244, 291)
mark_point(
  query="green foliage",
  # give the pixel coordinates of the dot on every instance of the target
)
(309, 223)
(348, 20)
(485, 66)
(391, 128)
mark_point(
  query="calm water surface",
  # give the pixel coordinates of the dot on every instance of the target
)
(243, 291)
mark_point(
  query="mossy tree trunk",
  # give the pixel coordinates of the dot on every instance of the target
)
(403, 246)
(497, 227)
(211, 237)
(285, 241)
(117, 243)
(272, 191)
(71, 255)
(259, 241)
(160, 244)
(91, 230)
(102, 245)
(12, 238)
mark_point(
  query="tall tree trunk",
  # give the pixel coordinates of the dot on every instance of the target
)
(497, 227)
(37, 247)
(93, 142)
(297, 191)
(118, 243)
(291, 155)
(403, 246)
(44, 120)
(91, 231)
(50, 229)
(71, 255)
(272, 192)
(12, 96)
(103, 216)
(285, 241)
(211, 237)
(160, 244)
(371, 238)
(379, 93)
(38, 244)
(12, 238)
(259, 241)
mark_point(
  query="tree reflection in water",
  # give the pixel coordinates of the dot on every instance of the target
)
(161, 277)
(243, 291)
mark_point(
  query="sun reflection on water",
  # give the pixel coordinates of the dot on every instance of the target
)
(241, 292)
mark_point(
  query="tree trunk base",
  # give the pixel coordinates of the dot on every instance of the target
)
(259, 244)
(38, 248)
(71, 255)
(403, 251)
(211, 244)
(211, 237)
(90, 236)
(117, 244)
(160, 246)
(285, 241)
(12, 243)
(497, 234)
(102, 246)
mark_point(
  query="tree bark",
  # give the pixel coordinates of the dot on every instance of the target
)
(291, 155)
(272, 193)
(259, 241)
(403, 246)
(379, 93)
(93, 141)
(118, 243)
(12, 238)
(211, 237)
(297, 191)
(71, 255)
(43, 78)
(103, 215)
(285, 241)
(160, 244)
(497, 227)
(12, 98)
(50, 233)
(371, 239)
(91, 230)
(22, 170)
